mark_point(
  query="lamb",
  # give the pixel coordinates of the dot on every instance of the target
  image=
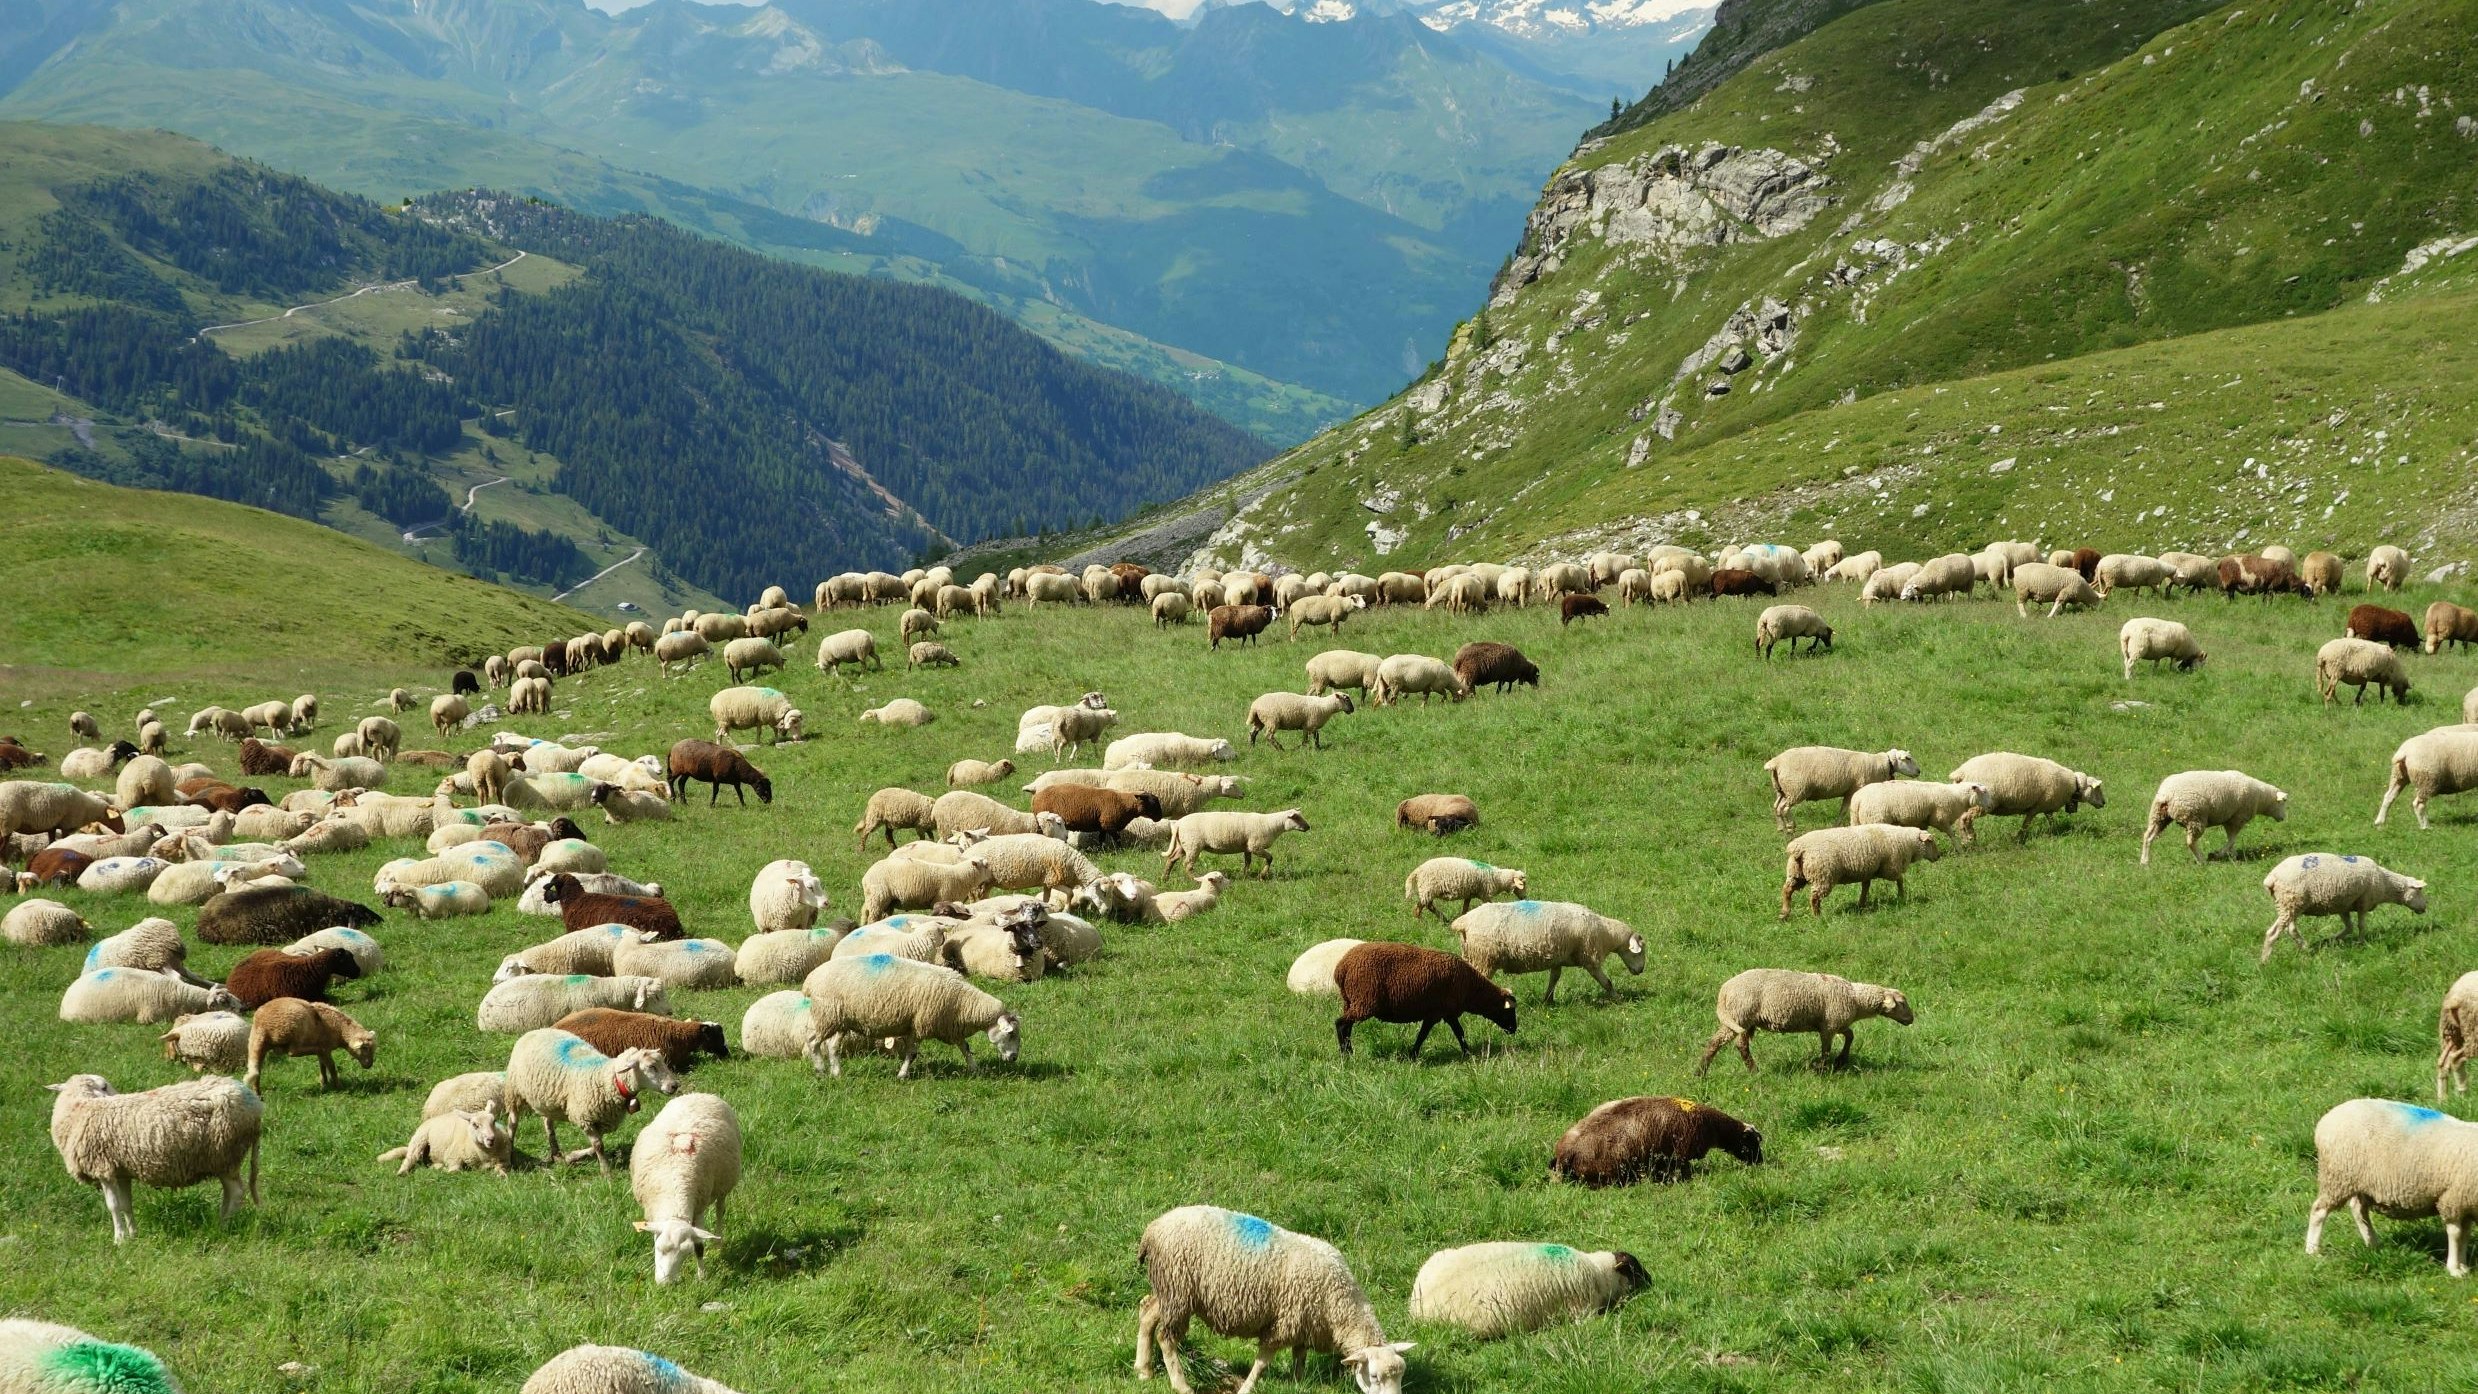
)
(1660, 1138)
(1158, 749)
(902, 712)
(173, 1137)
(1791, 623)
(1341, 668)
(880, 996)
(2399, 1160)
(1483, 664)
(962, 810)
(1247, 1278)
(785, 894)
(585, 951)
(777, 1027)
(2053, 586)
(1866, 854)
(903, 884)
(1439, 814)
(2433, 764)
(679, 1042)
(1404, 983)
(1528, 936)
(964, 774)
(2387, 567)
(516, 1005)
(761, 709)
(891, 809)
(1402, 674)
(40, 1358)
(1502, 1289)
(1782, 999)
(681, 964)
(44, 924)
(2153, 639)
(685, 1162)
(2321, 884)
(1177, 906)
(217, 1041)
(1251, 835)
(1289, 711)
(33, 806)
(1806, 773)
(2198, 800)
(2456, 1033)
(553, 1073)
(2360, 663)
(716, 765)
(1458, 878)
(2030, 786)
(105, 995)
(459, 1140)
(268, 974)
(289, 1026)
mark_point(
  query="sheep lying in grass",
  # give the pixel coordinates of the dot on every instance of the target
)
(615, 1370)
(1782, 999)
(2321, 884)
(459, 1140)
(2401, 1160)
(172, 1137)
(1501, 1289)
(1246, 1278)
(139, 995)
(2199, 800)
(217, 1042)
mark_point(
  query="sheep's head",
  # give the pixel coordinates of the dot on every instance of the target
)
(1007, 1034)
(2413, 894)
(1051, 825)
(361, 1042)
(675, 1240)
(1981, 796)
(1901, 762)
(1293, 819)
(1378, 1369)
(1631, 952)
(639, 1068)
(1928, 848)
(510, 967)
(2279, 806)
(2088, 791)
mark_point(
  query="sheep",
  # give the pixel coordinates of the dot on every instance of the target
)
(1458, 878)
(1782, 999)
(1402, 674)
(1074, 726)
(1247, 1278)
(785, 894)
(615, 1370)
(2321, 884)
(457, 1140)
(2434, 763)
(493, 866)
(1251, 835)
(897, 884)
(916, 621)
(1807, 773)
(2387, 567)
(720, 628)
(443, 901)
(1482, 664)
(1034, 861)
(1405, 983)
(2264, 575)
(679, 1042)
(530, 695)
(40, 1358)
(350, 772)
(32, 806)
(919, 938)
(367, 955)
(289, 1026)
(762, 709)
(964, 774)
(1866, 854)
(1791, 623)
(2054, 586)
(2029, 786)
(2197, 800)
(2126, 571)
(528, 1002)
(2360, 663)
(573, 854)
(880, 996)
(892, 809)
(2447, 623)
(1950, 574)
(680, 964)
(209, 1041)
(1327, 610)
(2456, 1032)
(153, 944)
(1312, 973)
(1105, 813)
(1036, 728)
(144, 780)
(1177, 906)
(447, 712)
(1887, 583)
(173, 1137)
(44, 924)
(1289, 711)
(1171, 608)
(91, 763)
(2153, 639)
(1660, 1138)
(1438, 814)
(783, 955)
(262, 977)
(716, 765)
(902, 711)
(537, 897)
(1341, 668)
(685, 1162)
(583, 951)
(141, 995)
(964, 810)
(777, 1026)
(2383, 626)
(2321, 573)
(1179, 793)
(1953, 808)
(2398, 1160)
(1528, 936)
(654, 917)
(557, 1075)
(1502, 1289)
(121, 875)
(1158, 749)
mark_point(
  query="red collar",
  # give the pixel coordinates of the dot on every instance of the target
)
(620, 1082)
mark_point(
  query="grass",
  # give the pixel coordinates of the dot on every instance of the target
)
(2088, 1162)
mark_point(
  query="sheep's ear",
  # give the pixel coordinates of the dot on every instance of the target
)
(1398, 1347)
(645, 1227)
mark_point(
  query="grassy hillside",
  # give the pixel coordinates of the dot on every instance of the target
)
(2087, 1163)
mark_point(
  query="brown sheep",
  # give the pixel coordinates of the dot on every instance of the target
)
(1490, 662)
(717, 765)
(2447, 623)
(2382, 626)
(2086, 561)
(1237, 623)
(269, 974)
(1438, 813)
(1087, 809)
(1579, 607)
(1403, 983)
(1626, 1140)
(15, 756)
(54, 866)
(278, 915)
(1131, 582)
(289, 1026)
(2263, 576)
(652, 916)
(527, 840)
(223, 798)
(1734, 581)
(260, 758)
(610, 1030)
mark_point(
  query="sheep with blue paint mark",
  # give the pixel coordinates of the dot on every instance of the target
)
(1250, 1279)
(521, 1004)
(687, 965)
(114, 995)
(1459, 878)
(37, 1357)
(556, 1074)
(880, 997)
(445, 901)
(1503, 1289)
(615, 1370)
(1533, 936)
(777, 1026)
(2321, 884)
(585, 951)
(2402, 1160)
(784, 955)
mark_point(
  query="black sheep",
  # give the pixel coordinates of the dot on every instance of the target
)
(276, 915)
(271, 973)
(717, 765)
(654, 917)
(465, 683)
(1404, 983)
(1488, 662)
(1627, 1140)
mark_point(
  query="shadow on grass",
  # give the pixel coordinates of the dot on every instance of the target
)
(778, 1251)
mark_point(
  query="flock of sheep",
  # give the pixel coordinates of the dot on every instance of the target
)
(987, 893)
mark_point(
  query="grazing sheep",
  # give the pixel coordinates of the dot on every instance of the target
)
(1503, 665)
(777, 1026)
(33, 806)
(1530, 936)
(1312, 973)
(2360, 663)
(2321, 884)
(2456, 1033)
(883, 997)
(1951, 574)
(1886, 583)
(268, 974)
(1404, 983)
(680, 964)
(1402, 674)
(716, 765)
(1953, 808)
(2433, 764)
(553, 1073)
(144, 780)
(2126, 571)
(209, 1041)
(2388, 568)
(964, 774)
(611, 1030)
(458, 1140)
(1160, 749)
(1104, 813)
(1660, 1138)
(1251, 835)
(2401, 1161)
(615, 1370)
(1782, 999)
(1170, 607)
(529, 1002)
(1791, 623)
(1178, 792)
(1289, 711)
(1325, 610)
(1036, 729)
(927, 654)
(761, 709)
(902, 711)
(891, 809)
(1177, 906)
(785, 894)
(1341, 668)
(44, 924)
(2153, 639)
(1806, 773)
(1439, 814)
(1074, 726)
(783, 955)
(1458, 878)
(2447, 623)
(1502, 1289)
(964, 810)
(685, 647)
(447, 712)
(748, 657)
(289, 1026)
(2053, 586)
(900, 884)
(2029, 786)
(1249, 1279)
(685, 1162)
(141, 995)
(2198, 800)
(2264, 575)
(1866, 854)
(2376, 624)
(2321, 573)
(173, 1137)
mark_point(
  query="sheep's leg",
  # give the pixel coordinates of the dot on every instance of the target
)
(2358, 1212)
(1866, 883)
(1712, 1048)
(1422, 1039)
(2314, 1228)
(1549, 998)
(232, 1196)
(1815, 898)
(1342, 1033)
(1265, 1349)
(1789, 887)
(2228, 853)
(1174, 1363)
(326, 1070)
(1148, 1311)
(116, 1204)
(2417, 805)
(965, 1045)
(1455, 1025)
(2024, 836)
(1599, 975)
(551, 1155)
(910, 1049)
(2271, 937)
(1849, 1038)
(2452, 1248)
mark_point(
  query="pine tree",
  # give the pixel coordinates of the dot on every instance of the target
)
(1617, 106)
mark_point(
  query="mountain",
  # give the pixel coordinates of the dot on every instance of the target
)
(2141, 274)
(738, 417)
(1304, 207)
(1613, 46)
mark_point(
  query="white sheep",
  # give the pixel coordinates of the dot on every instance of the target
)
(968, 810)
(2432, 764)
(172, 1137)
(518, 1004)
(684, 965)
(152, 943)
(1164, 748)
(458, 1140)
(1866, 854)
(761, 709)
(1341, 668)
(893, 809)
(899, 884)
(615, 1370)
(1784, 999)
(1887, 582)
(121, 875)
(2053, 586)
(1251, 835)
(2144, 638)
(2387, 567)
(1289, 711)
(881, 997)
(2315, 884)
(901, 712)
(557, 1075)
(1532, 936)
(1170, 607)
(1791, 623)
(38, 1357)
(44, 924)
(1459, 878)
(2127, 571)
(1399, 675)
(1179, 792)
(470, 1092)
(1177, 906)
(141, 995)
(684, 1163)
(365, 950)
(535, 902)
(685, 647)
(1250, 1279)
(1951, 574)
(1953, 808)
(2029, 786)
(2456, 1034)
(1312, 973)
(1501, 1289)
(2360, 663)
(2401, 1160)
(964, 774)
(1806, 773)
(2199, 800)
(785, 894)
(444, 901)
(1036, 729)
(777, 1026)
(1855, 570)
(209, 1041)
(783, 955)
(1076, 726)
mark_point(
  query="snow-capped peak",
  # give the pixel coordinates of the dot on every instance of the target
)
(1541, 18)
